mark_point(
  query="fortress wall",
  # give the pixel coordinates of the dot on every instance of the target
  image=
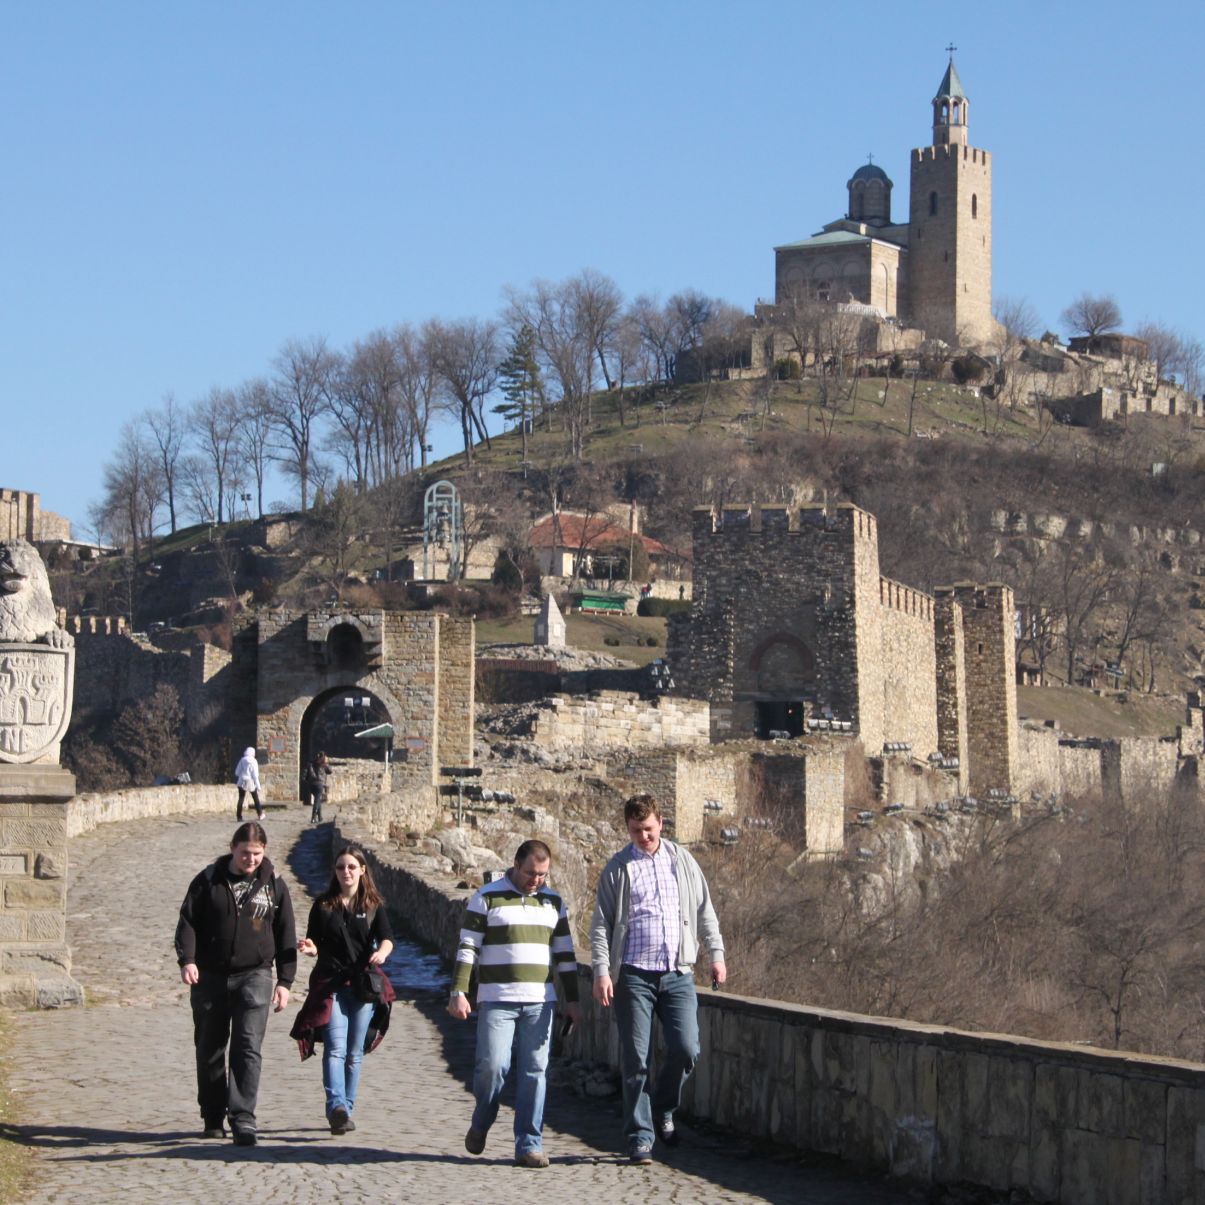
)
(115, 669)
(763, 573)
(1145, 766)
(1038, 761)
(457, 686)
(608, 719)
(951, 683)
(909, 668)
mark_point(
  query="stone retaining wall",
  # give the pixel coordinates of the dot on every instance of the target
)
(608, 719)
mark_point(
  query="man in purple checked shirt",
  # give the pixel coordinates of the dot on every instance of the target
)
(653, 912)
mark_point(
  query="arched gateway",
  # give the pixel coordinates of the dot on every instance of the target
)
(411, 670)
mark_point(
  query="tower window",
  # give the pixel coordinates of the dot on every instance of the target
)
(956, 111)
(932, 204)
(945, 112)
(974, 206)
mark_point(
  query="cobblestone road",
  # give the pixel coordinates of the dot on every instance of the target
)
(106, 1093)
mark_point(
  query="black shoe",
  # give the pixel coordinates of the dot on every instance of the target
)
(474, 1141)
(217, 1131)
(667, 1132)
(351, 1125)
(640, 1154)
(340, 1120)
(245, 1138)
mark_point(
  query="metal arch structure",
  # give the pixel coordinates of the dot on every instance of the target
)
(443, 528)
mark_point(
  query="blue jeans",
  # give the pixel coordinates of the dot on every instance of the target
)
(343, 1050)
(639, 995)
(500, 1027)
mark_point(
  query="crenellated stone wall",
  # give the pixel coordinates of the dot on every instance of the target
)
(791, 616)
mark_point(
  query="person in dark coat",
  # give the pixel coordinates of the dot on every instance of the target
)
(348, 931)
(315, 783)
(235, 921)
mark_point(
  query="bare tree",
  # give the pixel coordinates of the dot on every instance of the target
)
(1092, 314)
(464, 357)
(214, 421)
(417, 389)
(1163, 346)
(168, 428)
(255, 425)
(657, 336)
(298, 398)
(564, 331)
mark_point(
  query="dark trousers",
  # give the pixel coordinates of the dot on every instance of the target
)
(242, 794)
(234, 1009)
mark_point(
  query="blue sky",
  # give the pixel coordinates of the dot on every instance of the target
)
(189, 185)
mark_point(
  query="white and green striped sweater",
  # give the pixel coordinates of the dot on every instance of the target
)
(517, 941)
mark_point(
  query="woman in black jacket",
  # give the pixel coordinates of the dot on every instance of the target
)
(348, 930)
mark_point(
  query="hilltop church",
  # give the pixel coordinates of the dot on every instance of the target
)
(932, 272)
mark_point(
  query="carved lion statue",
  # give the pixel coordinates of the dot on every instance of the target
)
(27, 612)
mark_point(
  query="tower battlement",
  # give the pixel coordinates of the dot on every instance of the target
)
(944, 154)
(752, 519)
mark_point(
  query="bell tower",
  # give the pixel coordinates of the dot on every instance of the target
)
(950, 225)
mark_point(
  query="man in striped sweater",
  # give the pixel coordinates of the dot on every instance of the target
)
(516, 932)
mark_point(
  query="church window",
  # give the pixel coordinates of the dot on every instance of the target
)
(974, 206)
(932, 204)
(822, 290)
(955, 112)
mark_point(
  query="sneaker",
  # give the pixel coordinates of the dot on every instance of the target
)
(351, 1125)
(245, 1137)
(640, 1154)
(667, 1132)
(474, 1141)
(531, 1159)
(339, 1120)
(218, 1131)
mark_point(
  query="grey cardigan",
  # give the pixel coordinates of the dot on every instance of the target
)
(609, 925)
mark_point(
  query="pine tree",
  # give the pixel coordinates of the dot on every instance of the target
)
(522, 384)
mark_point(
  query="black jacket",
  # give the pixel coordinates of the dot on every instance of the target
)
(223, 939)
(345, 940)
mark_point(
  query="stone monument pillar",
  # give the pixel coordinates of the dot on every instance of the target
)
(37, 677)
(549, 625)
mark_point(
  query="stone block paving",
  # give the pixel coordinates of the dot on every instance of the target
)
(106, 1093)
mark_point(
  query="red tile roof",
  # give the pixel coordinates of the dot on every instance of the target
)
(589, 532)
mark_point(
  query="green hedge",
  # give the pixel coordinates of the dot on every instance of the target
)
(663, 606)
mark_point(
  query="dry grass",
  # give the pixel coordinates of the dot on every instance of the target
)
(587, 633)
(16, 1163)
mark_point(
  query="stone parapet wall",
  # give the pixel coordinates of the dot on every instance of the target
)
(85, 812)
(609, 719)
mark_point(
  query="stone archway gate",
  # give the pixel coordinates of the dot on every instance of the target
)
(419, 664)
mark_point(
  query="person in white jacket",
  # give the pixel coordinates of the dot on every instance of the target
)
(246, 778)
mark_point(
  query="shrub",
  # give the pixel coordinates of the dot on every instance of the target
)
(611, 641)
(651, 642)
(787, 369)
(660, 607)
(967, 369)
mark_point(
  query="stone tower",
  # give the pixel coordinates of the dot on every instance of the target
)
(950, 226)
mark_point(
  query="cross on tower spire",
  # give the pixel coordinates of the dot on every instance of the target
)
(950, 50)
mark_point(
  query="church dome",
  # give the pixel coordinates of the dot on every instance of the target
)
(870, 171)
(870, 195)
